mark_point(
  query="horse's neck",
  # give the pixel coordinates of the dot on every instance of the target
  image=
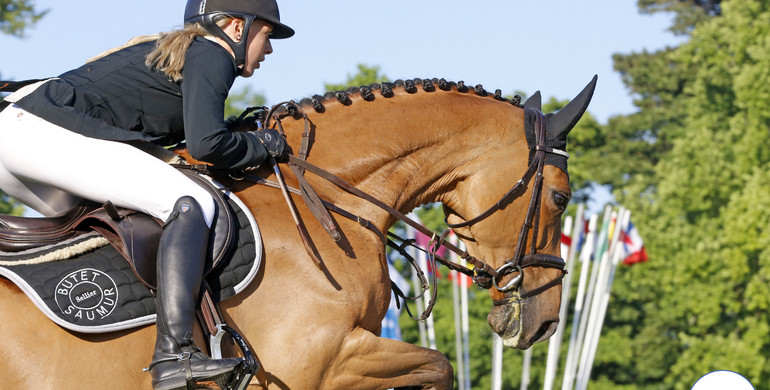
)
(414, 149)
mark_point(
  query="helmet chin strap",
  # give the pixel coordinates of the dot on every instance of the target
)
(239, 48)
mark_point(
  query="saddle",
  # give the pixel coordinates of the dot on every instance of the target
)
(68, 269)
(133, 234)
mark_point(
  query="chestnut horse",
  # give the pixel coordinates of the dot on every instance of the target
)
(316, 325)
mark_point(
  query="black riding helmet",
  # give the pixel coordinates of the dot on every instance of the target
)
(205, 11)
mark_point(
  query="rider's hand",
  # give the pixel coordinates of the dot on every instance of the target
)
(274, 142)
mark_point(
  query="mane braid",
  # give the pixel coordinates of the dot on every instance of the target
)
(387, 90)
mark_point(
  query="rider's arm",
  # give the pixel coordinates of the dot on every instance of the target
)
(208, 74)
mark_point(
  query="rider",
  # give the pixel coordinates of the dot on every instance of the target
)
(81, 126)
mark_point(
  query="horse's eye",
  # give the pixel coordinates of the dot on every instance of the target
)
(561, 200)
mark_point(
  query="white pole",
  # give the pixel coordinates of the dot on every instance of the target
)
(568, 253)
(595, 271)
(593, 314)
(459, 344)
(525, 368)
(458, 332)
(621, 225)
(464, 320)
(573, 351)
(497, 362)
(581, 381)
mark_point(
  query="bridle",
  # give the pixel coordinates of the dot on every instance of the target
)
(519, 261)
(482, 274)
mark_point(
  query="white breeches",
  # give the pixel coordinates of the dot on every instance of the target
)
(50, 168)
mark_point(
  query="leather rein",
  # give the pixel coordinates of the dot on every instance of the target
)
(483, 275)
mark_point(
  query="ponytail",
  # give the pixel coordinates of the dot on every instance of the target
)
(170, 48)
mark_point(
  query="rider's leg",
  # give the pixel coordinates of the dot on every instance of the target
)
(43, 163)
(64, 163)
(181, 257)
(44, 199)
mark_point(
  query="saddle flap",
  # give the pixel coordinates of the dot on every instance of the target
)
(222, 236)
(136, 236)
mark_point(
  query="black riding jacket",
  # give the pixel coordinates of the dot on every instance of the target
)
(120, 98)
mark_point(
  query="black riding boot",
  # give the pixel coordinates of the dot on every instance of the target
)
(177, 363)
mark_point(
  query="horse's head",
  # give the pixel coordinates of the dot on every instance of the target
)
(519, 236)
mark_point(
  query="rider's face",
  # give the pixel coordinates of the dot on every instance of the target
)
(257, 46)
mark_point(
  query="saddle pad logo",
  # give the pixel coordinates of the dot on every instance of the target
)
(86, 295)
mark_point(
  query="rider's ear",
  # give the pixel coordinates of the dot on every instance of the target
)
(236, 27)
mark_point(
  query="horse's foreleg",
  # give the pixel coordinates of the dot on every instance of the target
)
(366, 361)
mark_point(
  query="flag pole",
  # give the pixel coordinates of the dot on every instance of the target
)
(459, 350)
(601, 242)
(464, 319)
(526, 364)
(568, 253)
(497, 362)
(598, 289)
(573, 350)
(623, 219)
(458, 333)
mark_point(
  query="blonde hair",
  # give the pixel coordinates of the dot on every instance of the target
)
(170, 47)
(131, 42)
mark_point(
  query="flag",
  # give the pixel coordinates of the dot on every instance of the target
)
(633, 247)
(567, 240)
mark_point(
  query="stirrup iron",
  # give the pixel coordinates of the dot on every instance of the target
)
(243, 372)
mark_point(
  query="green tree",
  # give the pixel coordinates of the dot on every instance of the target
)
(17, 15)
(237, 102)
(688, 13)
(366, 75)
(696, 183)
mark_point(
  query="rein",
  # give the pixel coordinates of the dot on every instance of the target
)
(482, 274)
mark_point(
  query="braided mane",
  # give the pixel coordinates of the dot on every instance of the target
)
(386, 90)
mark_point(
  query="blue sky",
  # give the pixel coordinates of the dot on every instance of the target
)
(548, 45)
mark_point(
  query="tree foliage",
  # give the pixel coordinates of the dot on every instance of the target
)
(687, 13)
(366, 75)
(693, 165)
(237, 102)
(17, 15)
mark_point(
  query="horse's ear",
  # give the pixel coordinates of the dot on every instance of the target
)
(562, 122)
(534, 101)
